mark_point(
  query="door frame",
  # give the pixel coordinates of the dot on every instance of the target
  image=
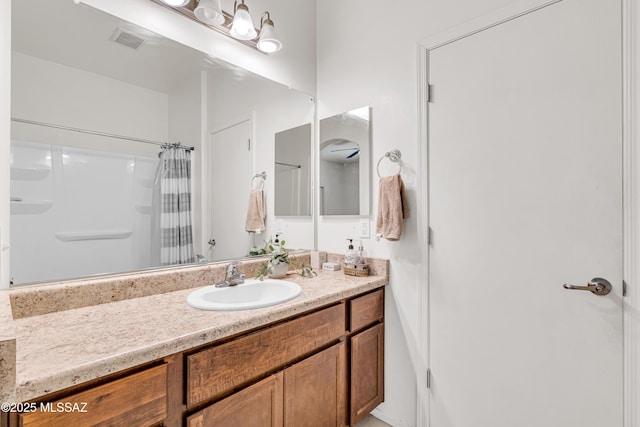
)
(631, 190)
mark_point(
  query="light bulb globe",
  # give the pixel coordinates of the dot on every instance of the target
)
(242, 27)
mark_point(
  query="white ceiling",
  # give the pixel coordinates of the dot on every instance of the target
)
(79, 36)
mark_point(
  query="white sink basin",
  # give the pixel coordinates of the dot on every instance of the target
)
(251, 294)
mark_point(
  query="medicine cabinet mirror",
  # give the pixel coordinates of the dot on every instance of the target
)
(345, 158)
(293, 172)
(81, 201)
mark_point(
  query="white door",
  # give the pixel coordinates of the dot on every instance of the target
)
(229, 186)
(525, 195)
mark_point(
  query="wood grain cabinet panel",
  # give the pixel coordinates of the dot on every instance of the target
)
(367, 372)
(220, 369)
(366, 310)
(136, 400)
(316, 390)
(259, 405)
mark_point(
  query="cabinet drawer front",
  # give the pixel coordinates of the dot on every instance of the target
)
(220, 369)
(366, 310)
(138, 399)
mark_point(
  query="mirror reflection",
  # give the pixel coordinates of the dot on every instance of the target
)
(344, 163)
(293, 172)
(94, 98)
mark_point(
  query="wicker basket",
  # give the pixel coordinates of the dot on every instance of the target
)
(361, 270)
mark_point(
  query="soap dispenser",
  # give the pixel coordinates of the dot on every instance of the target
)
(351, 257)
(277, 246)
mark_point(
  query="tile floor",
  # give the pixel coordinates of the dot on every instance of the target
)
(372, 421)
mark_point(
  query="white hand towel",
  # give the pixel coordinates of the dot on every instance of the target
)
(256, 212)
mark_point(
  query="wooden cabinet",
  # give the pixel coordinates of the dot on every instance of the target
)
(320, 368)
(366, 317)
(138, 399)
(219, 369)
(367, 371)
(316, 390)
(366, 310)
(259, 405)
(312, 392)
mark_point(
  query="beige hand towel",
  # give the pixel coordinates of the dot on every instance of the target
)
(393, 207)
(256, 212)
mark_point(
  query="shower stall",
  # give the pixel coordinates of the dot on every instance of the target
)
(78, 212)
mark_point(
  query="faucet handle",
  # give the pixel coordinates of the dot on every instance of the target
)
(231, 268)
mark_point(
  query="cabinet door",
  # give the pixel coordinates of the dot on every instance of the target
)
(367, 371)
(259, 405)
(316, 390)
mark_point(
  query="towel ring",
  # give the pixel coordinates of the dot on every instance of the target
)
(262, 176)
(394, 156)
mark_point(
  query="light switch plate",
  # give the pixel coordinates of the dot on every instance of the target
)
(364, 229)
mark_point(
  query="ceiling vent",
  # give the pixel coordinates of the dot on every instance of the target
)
(127, 39)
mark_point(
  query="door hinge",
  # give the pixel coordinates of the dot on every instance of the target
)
(624, 288)
(428, 378)
(249, 144)
(429, 93)
(429, 235)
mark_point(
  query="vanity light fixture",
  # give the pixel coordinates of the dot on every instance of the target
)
(238, 26)
(268, 42)
(242, 27)
(209, 12)
(176, 3)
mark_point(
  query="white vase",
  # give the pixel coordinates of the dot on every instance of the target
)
(279, 271)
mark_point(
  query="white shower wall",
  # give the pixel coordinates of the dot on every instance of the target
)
(77, 212)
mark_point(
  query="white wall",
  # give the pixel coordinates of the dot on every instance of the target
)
(5, 137)
(274, 108)
(367, 55)
(52, 93)
(293, 66)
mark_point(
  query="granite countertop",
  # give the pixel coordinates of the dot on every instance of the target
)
(57, 350)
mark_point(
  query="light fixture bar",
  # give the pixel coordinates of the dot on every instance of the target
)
(222, 29)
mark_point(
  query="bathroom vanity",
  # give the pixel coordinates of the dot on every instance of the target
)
(314, 360)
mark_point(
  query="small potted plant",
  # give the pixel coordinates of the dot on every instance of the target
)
(279, 262)
(278, 265)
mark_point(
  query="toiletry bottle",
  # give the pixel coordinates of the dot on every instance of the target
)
(361, 256)
(351, 257)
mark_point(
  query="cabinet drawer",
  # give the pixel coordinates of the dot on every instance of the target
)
(220, 369)
(139, 399)
(366, 310)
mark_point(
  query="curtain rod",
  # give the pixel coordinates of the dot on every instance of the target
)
(92, 132)
(288, 164)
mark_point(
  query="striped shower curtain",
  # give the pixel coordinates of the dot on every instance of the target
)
(172, 229)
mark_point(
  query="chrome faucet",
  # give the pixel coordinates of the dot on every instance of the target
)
(232, 278)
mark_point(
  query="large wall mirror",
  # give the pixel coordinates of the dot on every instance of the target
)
(93, 97)
(345, 158)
